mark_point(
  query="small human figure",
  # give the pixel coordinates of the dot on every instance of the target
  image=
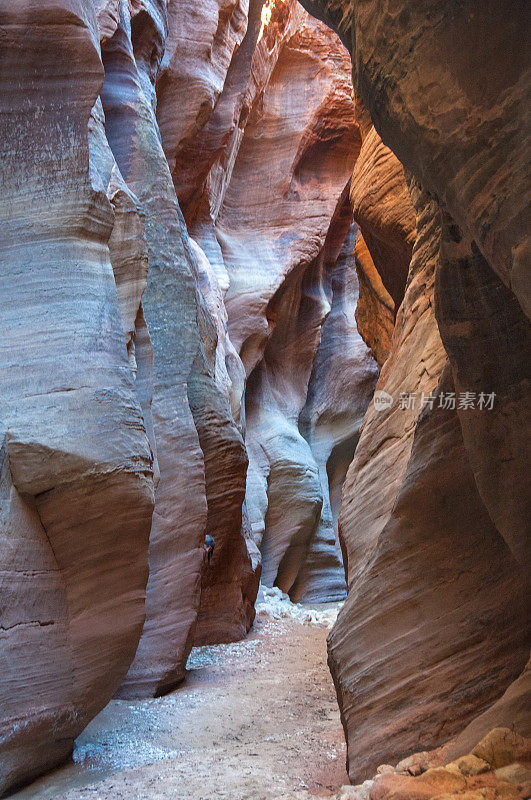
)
(208, 547)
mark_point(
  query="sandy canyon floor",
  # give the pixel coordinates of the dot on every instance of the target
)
(253, 721)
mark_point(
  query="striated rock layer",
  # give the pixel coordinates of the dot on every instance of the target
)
(281, 233)
(340, 387)
(425, 75)
(382, 208)
(87, 418)
(259, 175)
(193, 426)
(76, 465)
(137, 358)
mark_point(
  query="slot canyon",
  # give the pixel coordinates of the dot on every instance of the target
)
(265, 403)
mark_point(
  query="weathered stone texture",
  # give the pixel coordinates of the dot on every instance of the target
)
(424, 74)
(77, 477)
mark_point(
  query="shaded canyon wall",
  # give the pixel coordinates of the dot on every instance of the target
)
(435, 627)
(180, 345)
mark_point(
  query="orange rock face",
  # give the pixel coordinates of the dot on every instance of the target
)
(382, 208)
(375, 310)
(384, 644)
(462, 136)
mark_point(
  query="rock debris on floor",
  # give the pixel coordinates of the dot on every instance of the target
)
(253, 721)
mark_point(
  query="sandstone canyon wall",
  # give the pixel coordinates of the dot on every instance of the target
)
(261, 166)
(77, 467)
(424, 74)
(150, 357)
(193, 325)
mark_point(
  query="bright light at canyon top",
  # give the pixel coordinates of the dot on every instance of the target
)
(267, 13)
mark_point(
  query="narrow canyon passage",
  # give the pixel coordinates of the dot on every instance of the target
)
(255, 720)
(264, 362)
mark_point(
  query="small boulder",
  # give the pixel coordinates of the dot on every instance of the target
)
(519, 774)
(468, 765)
(385, 769)
(501, 747)
(415, 764)
(441, 780)
(432, 783)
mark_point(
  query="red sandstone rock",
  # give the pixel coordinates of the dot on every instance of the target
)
(462, 135)
(193, 397)
(259, 176)
(169, 304)
(486, 335)
(341, 384)
(229, 581)
(382, 208)
(431, 784)
(299, 545)
(418, 81)
(76, 463)
(279, 222)
(512, 708)
(200, 48)
(398, 675)
(375, 310)
(259, 170)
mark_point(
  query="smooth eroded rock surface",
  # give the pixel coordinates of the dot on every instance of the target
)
(77, 468)
(424, 74)
(169, 303)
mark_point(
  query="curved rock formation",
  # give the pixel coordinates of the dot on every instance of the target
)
(430, 68)
(382, 207)
(490, 207)
(340, 388)
(168, 297)
(220, 355)
(157, 387)
(229, 580)
(77, 486)
(375, 310)
(317, 137)
(395, 669)
(203, 45)
(259, 184)
(462, 135)
(170, 306)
